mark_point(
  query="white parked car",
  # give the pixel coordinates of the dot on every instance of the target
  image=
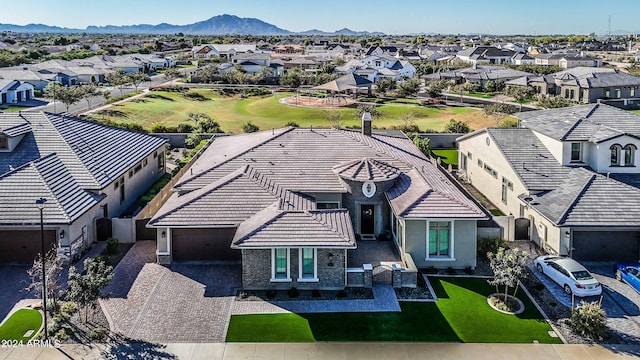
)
(569, 274)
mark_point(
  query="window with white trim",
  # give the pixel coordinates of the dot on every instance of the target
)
(308, 264)
(615, 150)
(576, 152)
(439, 239)
(280, 264)
(629, 154)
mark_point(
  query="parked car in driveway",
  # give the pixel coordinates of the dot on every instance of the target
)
(629, 273)
(569, 274)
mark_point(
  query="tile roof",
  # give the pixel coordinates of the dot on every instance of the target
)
(15, 126)
(303, 160)
(529, 158)
(366, 169)
(228, 201)
(48, 178)
(585, 198)
(93, 153)
(272, 227)
(593, 122)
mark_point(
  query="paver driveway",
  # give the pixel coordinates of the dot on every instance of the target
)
(13, 280)
(177, 303)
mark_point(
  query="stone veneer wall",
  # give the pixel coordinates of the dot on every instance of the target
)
(256, 270)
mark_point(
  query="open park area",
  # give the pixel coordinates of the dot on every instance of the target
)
(268, 111)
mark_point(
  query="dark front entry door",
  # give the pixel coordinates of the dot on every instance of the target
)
(366, 219)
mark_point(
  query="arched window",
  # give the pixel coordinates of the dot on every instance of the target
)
(615, 154)
(629, 154)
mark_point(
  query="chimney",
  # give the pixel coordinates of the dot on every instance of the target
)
(366, 124)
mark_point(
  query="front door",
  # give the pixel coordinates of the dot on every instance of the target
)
(367, 220)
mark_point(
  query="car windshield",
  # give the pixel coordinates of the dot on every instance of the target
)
(582, 275)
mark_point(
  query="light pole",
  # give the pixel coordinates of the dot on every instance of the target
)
(40, 203)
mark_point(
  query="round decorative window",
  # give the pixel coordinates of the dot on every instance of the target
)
(368, 188)
(488, 141)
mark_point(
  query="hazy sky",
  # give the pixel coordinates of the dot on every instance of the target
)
(451, 17)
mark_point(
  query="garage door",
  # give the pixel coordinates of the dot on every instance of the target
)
(606, 245)
(203, 244)
(22, 246)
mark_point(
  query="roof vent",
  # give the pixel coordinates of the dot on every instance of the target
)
(528, 199)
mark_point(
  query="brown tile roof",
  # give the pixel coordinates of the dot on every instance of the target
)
(272, 227)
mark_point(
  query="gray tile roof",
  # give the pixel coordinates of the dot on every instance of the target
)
(589, 199)
(46, 177)
(366, 169)
(593, 123)
(272, 227)
(228, 201)
(528, 157)
(15, 126)
(94, 154)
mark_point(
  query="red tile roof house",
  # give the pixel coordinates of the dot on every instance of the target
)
(83, 169)
(293, 203)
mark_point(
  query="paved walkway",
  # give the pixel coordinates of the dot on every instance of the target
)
(331, 351)
(385, 300)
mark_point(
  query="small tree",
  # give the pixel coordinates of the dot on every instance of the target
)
(334, 117)
(497, 111)
(422, 144)
(205, 123)
(66, 95)
(86, 288)
(88, 91)
(436, 87)
(385, 86)
(553, 102)
(408, 88)
(508, 267)
(171, 73)
(119, 79)
(457, 126)
(368, 108)
(53, 269)
(137, 78)
(520, 93)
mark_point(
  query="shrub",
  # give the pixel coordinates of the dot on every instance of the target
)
(492, 245)
(112, 245)
(292, 123)
(451, 271)
(588, 319)
(159, 128)
(315, 293)
(293, 293)
(195, 96)
(97, 334)
(250, 127)
(468, 270)
(61, 334)
(67, 309)
(185, 128)
(193, 140)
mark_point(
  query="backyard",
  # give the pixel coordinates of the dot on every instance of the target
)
(460, 315)
(171, 108)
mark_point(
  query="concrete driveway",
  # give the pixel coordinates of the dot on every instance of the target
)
(177, 303)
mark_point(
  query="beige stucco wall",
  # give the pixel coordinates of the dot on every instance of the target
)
(483, 181)
(601, 156)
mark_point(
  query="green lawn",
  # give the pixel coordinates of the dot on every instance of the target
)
(170, 109)
(460, 315)
(19, 323)
(449, 156)
(636, 112)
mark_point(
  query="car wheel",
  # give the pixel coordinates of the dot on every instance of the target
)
(567, 289)
(539, 267)
(618, 275)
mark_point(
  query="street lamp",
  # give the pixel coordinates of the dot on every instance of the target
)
(40, 203)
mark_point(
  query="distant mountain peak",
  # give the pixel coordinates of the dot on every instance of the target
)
(224, 24)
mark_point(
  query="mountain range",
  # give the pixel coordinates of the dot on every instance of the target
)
(217, 25)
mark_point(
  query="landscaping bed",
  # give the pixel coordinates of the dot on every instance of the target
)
(349, 293)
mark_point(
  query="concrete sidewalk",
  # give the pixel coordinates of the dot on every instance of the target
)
(333, 351)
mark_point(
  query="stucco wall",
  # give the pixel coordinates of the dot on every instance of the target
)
(256, 270)
(464, 244)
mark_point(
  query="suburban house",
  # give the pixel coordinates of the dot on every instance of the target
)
(568, 60)
(15, 92)
(585, 84)
(522, 59)
(477, 74)
(568, 176)
(296, 206)
(485, 55)
(376, 67)
(83, 169)
(221, 50)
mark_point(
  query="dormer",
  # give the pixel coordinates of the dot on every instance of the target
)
(12, 130)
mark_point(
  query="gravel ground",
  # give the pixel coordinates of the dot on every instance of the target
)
(283, 295)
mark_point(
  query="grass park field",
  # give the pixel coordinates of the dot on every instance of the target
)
(171, 108)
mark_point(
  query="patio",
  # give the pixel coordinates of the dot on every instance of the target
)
(373, 252)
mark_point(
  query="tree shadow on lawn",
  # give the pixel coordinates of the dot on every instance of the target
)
(159, 97)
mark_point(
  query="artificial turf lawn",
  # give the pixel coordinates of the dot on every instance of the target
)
(460, 315)
(18, 324)
(171, 108)
(449, 156)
